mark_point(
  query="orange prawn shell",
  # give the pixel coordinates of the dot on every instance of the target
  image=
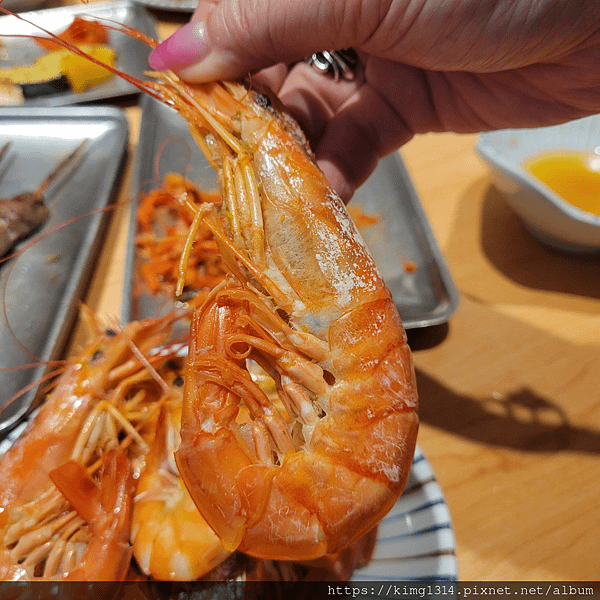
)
(301, 250)
(322, 496)
(341, 271)
(107, 510)
(43, 462)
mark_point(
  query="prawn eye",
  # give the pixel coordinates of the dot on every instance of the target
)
(110, 332)
(262, 100)
(97, 355)
(178, 381)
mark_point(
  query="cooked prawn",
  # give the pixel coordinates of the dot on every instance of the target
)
(171, 539)
(308, 474)
(67, 493)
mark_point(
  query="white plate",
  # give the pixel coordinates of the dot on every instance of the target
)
(415, 540)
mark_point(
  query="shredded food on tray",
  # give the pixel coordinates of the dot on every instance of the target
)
(164, 218)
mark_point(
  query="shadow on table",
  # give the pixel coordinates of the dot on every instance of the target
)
(520, 256)
(427, 337)
(520, 420)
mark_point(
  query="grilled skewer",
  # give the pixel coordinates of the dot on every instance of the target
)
(22, 214)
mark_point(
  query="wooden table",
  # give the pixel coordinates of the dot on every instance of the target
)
(509, 388)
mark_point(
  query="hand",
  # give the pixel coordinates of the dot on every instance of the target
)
(426, 65)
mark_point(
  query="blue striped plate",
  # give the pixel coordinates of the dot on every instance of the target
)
(415, 539)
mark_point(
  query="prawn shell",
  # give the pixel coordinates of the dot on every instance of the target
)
(299, 254)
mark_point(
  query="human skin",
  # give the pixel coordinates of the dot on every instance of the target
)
(426, 65)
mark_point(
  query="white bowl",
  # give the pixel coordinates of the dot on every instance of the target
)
(545, 214)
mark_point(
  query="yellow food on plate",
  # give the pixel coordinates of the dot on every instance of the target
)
(80, 72)
(83, 74)
(44, 69)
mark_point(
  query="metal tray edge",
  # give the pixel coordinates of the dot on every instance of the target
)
(148, 26)
(127, 301)
(60, 330)
(443, 270)
(434, 317)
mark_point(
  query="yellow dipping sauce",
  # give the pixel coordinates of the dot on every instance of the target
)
(574, 176)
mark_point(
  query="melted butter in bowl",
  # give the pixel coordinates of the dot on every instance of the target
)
(550, 176)
(574, 176)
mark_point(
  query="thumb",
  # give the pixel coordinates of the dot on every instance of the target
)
(230, 38)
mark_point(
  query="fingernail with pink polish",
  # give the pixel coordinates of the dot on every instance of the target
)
(185, 47)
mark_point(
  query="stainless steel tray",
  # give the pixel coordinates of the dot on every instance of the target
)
(132, 55)
(22, 5)
(187, 6)
(41, 287)
(425, 295)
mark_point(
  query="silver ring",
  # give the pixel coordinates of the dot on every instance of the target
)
(339, 64)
